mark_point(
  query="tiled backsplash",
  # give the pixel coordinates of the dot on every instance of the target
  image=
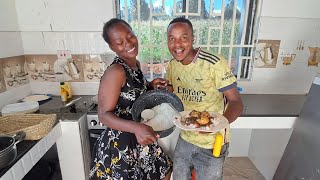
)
(13, 72)
(19, 70)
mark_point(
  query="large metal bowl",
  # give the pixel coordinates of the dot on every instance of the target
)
(153, 98)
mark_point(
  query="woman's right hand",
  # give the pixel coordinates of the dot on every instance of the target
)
(145, 134)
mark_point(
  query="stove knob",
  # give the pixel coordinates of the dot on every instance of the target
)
(101, 124)
(93, 122)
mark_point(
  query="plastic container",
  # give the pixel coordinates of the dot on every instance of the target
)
(68, 87)
(217, 145)
(64, 95)
(65, 90)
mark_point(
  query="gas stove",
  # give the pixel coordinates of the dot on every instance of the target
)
(93, 120)
(95, 127)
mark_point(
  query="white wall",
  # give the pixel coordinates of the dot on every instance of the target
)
(10, 45)
(288, 21)
(76, 25)
(14, 95)
(10, 39)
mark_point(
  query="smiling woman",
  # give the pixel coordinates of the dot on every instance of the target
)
(126, 149)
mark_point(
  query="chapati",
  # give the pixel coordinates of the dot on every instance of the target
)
(164, 117)
(36, 97)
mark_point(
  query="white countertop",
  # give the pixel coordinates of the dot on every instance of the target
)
(25, 164)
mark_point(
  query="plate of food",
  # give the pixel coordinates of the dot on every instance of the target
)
(201, 121)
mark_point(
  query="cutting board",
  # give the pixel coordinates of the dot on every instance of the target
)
(20, 108)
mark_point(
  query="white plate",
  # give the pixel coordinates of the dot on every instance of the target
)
(36, 97)
(20, 108)
(222, 123)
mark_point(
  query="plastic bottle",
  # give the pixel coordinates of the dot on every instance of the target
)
(68, 89)
(217, 145)
(65, 91)
(64, 95)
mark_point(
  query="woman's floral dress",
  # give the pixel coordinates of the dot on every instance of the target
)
(117, 155)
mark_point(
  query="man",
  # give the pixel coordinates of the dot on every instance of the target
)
(202, 81)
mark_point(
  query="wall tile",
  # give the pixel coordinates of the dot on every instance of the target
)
(14, 71)
(41, 67)
(2, 82)
(95, 65)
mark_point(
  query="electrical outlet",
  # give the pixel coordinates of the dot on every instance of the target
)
(64, 54)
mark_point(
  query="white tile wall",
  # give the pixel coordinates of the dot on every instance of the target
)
(14, 95)
(76, 25)
(8, 17)
(289, 28)
(60, 15)
(11, 44)
(33, 15)
(79, 15)
(77, 42)
(291, 8)
(295, 78)
(77, 88)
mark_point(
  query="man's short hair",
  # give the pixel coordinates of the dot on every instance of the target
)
(181, 20)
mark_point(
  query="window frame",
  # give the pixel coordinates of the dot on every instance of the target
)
(245, 53)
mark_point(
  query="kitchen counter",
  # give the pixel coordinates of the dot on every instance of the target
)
(260, 105)
(30, 152)
(285, 107)
(23, 165)
(72, 112)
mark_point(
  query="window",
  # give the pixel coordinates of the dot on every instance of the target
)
(222, 26)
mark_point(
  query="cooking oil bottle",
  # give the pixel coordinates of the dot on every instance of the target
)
(217, 145)
(65, 91)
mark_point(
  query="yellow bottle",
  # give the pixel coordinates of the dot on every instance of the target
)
(68, 87)
(65, 90)
(64, 95)
(217, 145)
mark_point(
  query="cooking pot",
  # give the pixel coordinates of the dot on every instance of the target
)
(8, 148)
(152, 98)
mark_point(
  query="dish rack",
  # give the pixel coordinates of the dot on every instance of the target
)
(35, 126)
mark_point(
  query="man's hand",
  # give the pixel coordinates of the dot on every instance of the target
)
(159, 83)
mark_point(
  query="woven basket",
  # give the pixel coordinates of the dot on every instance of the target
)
(35, 126)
